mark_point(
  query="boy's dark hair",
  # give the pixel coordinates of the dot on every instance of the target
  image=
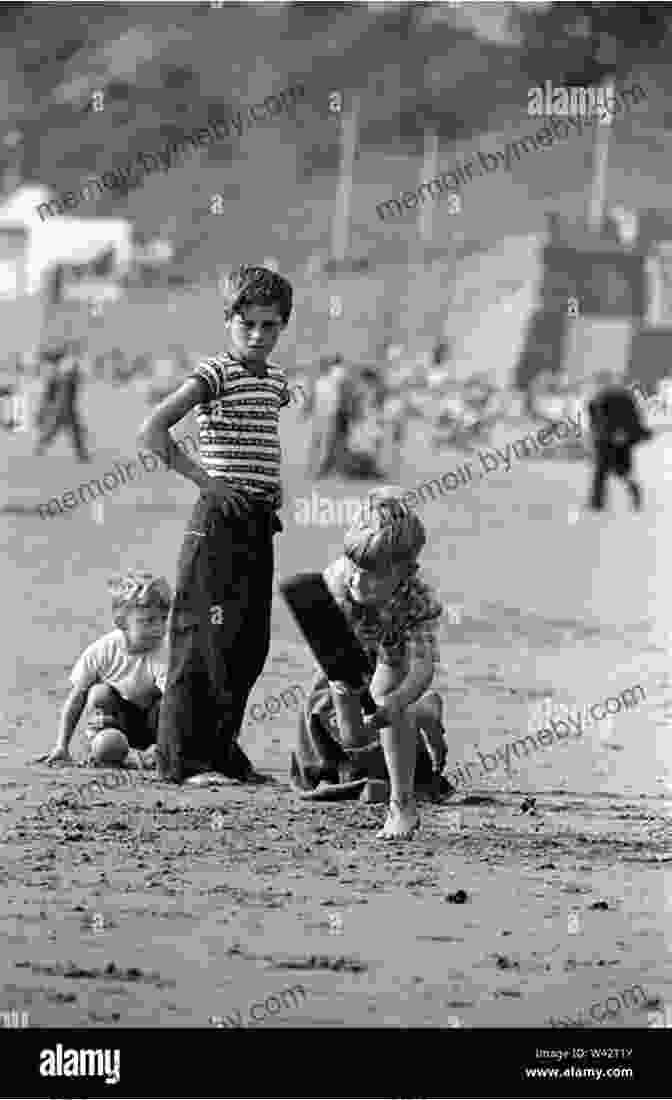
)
(256, 286)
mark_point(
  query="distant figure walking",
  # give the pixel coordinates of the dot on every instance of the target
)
(617, 427)
(58, 407)
(366, 427)
(331, 406)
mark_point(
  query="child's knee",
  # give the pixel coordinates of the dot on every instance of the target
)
(386, 679)
(102, 695)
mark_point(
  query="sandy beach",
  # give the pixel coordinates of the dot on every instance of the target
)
(149, 904)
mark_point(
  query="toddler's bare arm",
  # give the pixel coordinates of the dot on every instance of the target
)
(72, 711)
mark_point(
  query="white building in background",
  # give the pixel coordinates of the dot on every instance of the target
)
(61, 241)
(30, 253)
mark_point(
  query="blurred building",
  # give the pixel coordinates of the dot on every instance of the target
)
(35, 257)
(605, 300)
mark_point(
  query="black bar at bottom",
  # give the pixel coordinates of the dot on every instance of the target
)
(385, 1063)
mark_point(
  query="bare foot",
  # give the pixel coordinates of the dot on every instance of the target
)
(401, 822)
(257, 778)
(133, 760)
(207, 779)
(150, 757)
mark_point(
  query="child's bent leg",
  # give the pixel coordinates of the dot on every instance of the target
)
(400, 748)
(428, 712)
(399, 743)
(348, 705)
(349, 716)
(104, 708)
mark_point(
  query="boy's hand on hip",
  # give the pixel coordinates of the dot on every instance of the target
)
(388, 714)
(231, 500)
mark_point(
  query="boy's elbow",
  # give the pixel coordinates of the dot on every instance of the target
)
(427, 668)
(429, 676)
(147, 436)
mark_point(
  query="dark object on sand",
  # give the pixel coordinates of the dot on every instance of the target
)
(599, 905)
(505, 963)
(328, 633)
(458, 898)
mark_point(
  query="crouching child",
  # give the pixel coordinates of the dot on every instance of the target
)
(394, 613)
(118, 681)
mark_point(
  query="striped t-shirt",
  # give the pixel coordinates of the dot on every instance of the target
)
(238, 433)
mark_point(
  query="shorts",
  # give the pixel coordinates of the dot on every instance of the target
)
(139, 726)
(617, 458)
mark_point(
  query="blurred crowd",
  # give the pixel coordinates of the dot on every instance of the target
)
(63, 367)
(362, 413)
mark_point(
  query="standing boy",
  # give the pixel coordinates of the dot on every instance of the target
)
(220, 627)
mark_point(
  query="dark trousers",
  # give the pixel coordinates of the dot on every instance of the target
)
(220, 636)
(66, 418)
(612, 459)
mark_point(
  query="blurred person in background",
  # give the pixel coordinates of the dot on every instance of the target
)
(552, 396)
(330, 403)
(617, 427)
(405, 384)
(58, 409)
(482, 398)
(116, 366)
(446, 408)
(366, 432)
(536, 393)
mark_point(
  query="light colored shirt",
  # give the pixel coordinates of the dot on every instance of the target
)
(327, 395)
(403, 628)
(134, 675)
(238, 426)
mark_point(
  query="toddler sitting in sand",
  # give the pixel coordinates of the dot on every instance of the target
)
(120, 678)
(394, 614)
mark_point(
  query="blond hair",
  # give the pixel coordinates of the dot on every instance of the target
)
(137, 588)
(385, 532)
